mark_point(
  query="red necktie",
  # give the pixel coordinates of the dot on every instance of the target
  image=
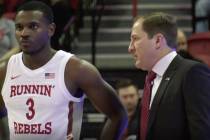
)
(145, 104)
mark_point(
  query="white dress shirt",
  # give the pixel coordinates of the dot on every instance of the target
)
(159, 68)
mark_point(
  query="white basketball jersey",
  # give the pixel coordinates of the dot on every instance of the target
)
(38, 103)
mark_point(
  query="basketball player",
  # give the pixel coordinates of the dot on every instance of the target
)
(44, 89)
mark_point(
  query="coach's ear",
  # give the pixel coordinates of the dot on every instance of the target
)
(159, 40)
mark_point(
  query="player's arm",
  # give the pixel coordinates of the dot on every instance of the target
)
(85, 76)
(3, 114)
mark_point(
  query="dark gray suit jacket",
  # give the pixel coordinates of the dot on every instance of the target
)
(181, 107)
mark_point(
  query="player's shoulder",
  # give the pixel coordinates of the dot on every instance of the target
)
(79, 68)
(3, 70)
(77, 63)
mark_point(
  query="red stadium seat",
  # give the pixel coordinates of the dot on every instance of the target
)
(199, 46)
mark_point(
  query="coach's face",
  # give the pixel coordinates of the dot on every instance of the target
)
(142, 48)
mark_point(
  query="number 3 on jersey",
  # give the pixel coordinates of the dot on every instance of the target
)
(31, 110)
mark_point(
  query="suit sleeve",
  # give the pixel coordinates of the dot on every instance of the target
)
(197, 101)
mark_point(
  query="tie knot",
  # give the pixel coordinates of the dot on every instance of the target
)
(151, 76)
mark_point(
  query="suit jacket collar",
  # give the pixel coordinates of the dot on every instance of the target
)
(168, 75)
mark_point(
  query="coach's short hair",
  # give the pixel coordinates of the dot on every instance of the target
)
(161, 23)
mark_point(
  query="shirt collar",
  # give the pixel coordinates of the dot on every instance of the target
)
(161, 66)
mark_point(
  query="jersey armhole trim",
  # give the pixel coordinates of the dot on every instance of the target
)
(62, 85)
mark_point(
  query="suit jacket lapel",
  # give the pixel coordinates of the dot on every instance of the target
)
(167, 77)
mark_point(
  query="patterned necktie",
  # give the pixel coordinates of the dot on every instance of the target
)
(145, 104)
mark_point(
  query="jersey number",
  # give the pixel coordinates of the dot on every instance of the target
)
(31, 111)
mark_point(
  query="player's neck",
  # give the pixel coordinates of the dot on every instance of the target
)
(37, 60)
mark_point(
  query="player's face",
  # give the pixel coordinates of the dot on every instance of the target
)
(33, 32)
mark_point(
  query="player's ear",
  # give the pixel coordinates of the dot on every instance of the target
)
(51, 29)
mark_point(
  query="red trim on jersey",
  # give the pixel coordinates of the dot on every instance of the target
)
(70, 122)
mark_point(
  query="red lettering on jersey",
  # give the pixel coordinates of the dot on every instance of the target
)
(15, 127)
(39, 129)
(21, 128)
(17, 90)
(48, 128)
(33, 128)
(13, 91)
(26, 129)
